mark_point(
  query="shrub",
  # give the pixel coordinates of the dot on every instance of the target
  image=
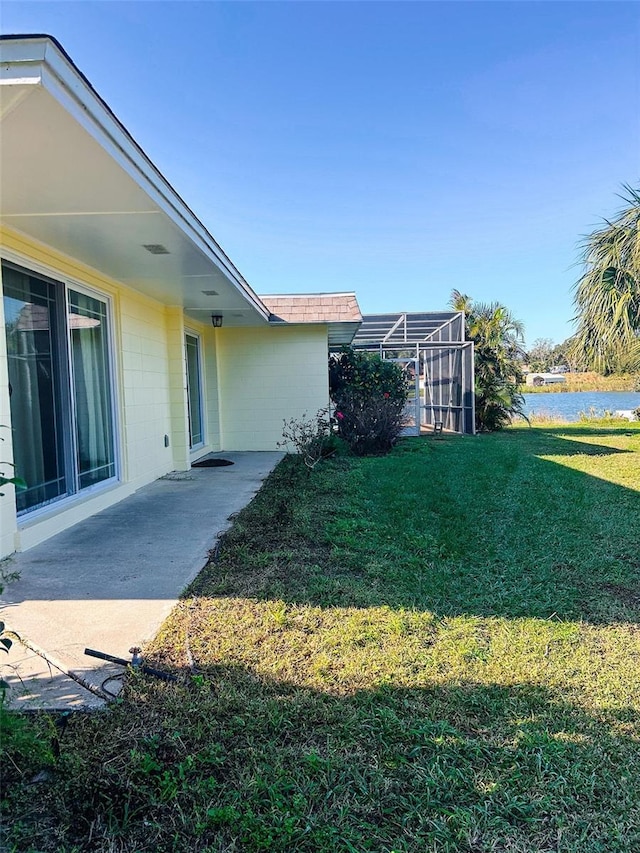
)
(313, 438)
(369, 394)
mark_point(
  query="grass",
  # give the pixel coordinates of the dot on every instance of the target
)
(589, 416)
(437, 650)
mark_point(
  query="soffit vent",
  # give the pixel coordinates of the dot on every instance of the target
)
(210, 292)
(156, 248)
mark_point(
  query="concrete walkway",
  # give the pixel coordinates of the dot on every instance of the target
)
(109, 582)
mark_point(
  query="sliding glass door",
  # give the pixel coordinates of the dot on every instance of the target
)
(60, 387)
(36, 380)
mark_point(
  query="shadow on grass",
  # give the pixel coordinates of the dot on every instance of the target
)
(572, 429)
(228, 762)
(522, 524)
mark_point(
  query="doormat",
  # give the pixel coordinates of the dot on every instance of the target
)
(211, 463)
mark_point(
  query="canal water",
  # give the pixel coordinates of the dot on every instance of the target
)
(567, 405)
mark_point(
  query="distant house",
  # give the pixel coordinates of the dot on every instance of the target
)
(131, 345)
(538, 379)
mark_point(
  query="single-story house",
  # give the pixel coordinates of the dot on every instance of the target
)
(541, 378)
(131, 345)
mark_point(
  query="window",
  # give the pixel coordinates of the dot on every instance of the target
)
(59, 386)
(194, 396)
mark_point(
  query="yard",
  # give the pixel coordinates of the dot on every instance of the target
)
(437, 650)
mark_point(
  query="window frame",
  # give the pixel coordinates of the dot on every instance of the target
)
(64, 368)
(190, 333)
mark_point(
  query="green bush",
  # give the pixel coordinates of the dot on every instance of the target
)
(369, 394)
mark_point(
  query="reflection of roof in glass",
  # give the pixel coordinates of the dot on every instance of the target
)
(76, 321)
(35, 318)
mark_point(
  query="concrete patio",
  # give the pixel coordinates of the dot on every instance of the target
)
(109, 582)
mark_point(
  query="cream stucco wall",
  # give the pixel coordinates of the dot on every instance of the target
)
(267, 376)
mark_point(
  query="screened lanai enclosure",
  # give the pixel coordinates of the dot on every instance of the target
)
(438, 360)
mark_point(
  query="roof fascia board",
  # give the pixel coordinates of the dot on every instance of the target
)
(45, 63)
(339, 332)
(23, 49)
(27, 74)
(307, 295)
(279, 322)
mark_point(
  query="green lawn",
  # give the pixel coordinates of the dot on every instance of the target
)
(436, 650)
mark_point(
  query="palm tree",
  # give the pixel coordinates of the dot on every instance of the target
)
(607, 295)
(498, 345)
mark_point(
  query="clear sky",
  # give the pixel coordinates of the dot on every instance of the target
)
(398, 149)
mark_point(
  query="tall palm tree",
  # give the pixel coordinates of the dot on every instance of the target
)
(499, 354)
(607, 295)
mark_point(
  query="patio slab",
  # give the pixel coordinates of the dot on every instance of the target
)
(110, 581)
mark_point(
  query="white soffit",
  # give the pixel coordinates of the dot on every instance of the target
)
(72, 178)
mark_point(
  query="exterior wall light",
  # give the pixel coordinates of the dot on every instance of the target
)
(216, 320)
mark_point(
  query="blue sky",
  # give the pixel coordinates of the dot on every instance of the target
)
(398, 149)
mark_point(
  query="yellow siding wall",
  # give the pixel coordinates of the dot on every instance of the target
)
(212, 396)
(150, 393)
(267, 375)
(145, 389)
(261, 375)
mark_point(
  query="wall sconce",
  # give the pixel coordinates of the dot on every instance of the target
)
(216, 320)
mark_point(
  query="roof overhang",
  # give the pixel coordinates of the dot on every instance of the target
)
(340, 334)
(74, 179)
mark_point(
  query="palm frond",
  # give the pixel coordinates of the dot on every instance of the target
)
(607, 294)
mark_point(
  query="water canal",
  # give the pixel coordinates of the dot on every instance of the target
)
(568, 405)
